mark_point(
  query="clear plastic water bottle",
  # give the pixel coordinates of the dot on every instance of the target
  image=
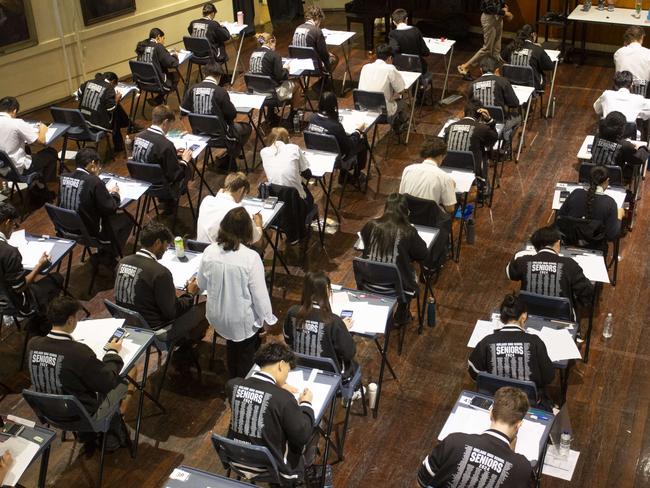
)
(637, 8)
(601, 4)
(609, 326)
(179, 247)
(128, 146)
(565, 444)
(586, 5)
(296, 122)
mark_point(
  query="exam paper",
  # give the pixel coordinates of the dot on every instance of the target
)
(266, 213)
(181, 271)
(559, 343)
(463, 179)
(320, 162)
(482, 329)
(31, 251)
(131, 190)
(22, 451)
(593, 266)
(297, 379)
(246, 100)
(366, 318)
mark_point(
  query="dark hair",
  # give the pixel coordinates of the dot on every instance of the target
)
(236, 228)
(154, 231)
(209, 8)
(9, 104)
(212, 69)
(511, 308)
(545, 236)
(384, 51)
(316, 288)
(161, 113)
(273, 353)
(385, 230)
(85, 156)
(612, 127)
(597, 176)
(488, 64)
(510, 405)
(633, 34)
(524, 34)
(7, 212)
(61, 309)
(329, 105)
(156, 32)
(472, 107)
(110, 76)
(433, 147)
(314, 13)
(399, 15)
(623, 79)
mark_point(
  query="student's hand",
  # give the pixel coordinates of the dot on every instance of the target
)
(484, 113)
(43, 261)
(621, 213)
(5, 463)
(306, 396)
(349, 323)
(114, 189)
(118, 97)
(508, 16)
(187, 155)
(361, 126)
(291, 389)
(257, 219)
(115, 344)
(192, 286)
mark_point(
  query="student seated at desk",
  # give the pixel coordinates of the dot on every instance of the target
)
(633, 57)
(19, 287)
(326, 121)
(15, 134)
(213, 31)
(312, 329)
(213, 208)
(266, 61)
(238, 301)
(407, 39)
(524, 50)
(392, 239)
(309, 34)
(266, 413)
(548, 273)
(153, 51)
(152, 146)
(510, 351)
(426, 180)
(60, 365)
(620, 99)
(85, 193)
(99, 104)
(594, 204)
(147, 287)
(208, 98)
(486, 459)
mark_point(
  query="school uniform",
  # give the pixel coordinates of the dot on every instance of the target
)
(537, 58)
(265, 61)
(215, 33)
(407, 39)
(349, 144)
(469, 134)
(308, 35)
(603, 209)
(284, 164)
(150, 51)
(263, 414)
(475, 461)
(621, 153)
(490, 89)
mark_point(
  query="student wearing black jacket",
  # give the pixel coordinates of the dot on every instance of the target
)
(60, 365)
(85, 193)
(407, 39)
(487, 459)
(523, 47)
(152, 50)
(548, 273)
(213, 31)
(312, 329)
(266, 413)
(510, 351)
(309, 34)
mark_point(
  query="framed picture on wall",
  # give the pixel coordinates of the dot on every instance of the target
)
(94, 11)
(17, 29)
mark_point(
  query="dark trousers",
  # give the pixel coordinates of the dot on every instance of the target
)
(44, 162)
(240, 355)
(44, 291)
(118, 229)
(190, 323)
(120, 120)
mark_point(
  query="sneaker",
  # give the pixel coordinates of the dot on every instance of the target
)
(357, 394)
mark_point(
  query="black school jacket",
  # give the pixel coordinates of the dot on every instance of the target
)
(149, 51)
(62, 366)
(265, 61)
(308, 35)
(97, 103)
(537, 59)
(468, 134)
(151, 146)
(475, 461)
(512, 353)
(491, 89)
(603, 209)
(13, 286)
(208, 98)
(215, 33)
(264, 414)
(323, 124)
(409, 41)
(87, 195)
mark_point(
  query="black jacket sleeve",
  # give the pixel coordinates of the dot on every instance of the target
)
(173, 171)
(297, 422)
(431, 465)
(546, 368)
(544, 60)
(612, 224)
(476, 361)
(509, 95)
(288, 327)
(487, 134)
(14, 273)
(394, 44)
(515, 270)
(423, 48)
(165, 292)
(107, 203)
(167, 61)
(217, 33)
(321, 50)
(279, 73)
(227, 108)
(581, 287)
(417, 247)
(342, 341)
(101, 376)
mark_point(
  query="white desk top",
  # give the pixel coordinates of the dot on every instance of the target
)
(320, 162)
(367, 318)
(130, 189)
(438, 46)
(621, 16)
(618, 194)
(409, 77)
(181, 271)
(186, 141)
(296, 66)
(584, 153)
(245, 102)
(183, 56)
(351, 119)
(255, 205)
(463, 179)
(336, 38)
(125, 88)
(554, 54)
(234, 28)
(523, 93)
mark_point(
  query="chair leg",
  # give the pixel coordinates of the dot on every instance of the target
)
(214, 346)
(170, 353)
(101, 460)
(24, 351)
(94, 270)
(345, 182)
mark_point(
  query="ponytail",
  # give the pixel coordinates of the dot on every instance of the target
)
(597, 176)
(263, 38)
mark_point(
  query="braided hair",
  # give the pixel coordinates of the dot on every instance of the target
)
(597, 176)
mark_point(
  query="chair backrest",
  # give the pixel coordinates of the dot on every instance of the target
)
(68, 224)
(146, 76)
(196, 246)
(152, 173)
(306, 52)
(61, 411)
(199, 46)
(604, 151)
(321, 142)
(294, 218)
(408, 62)
(380, 278)
(70, 116)
(519, 75)
(426, 212)
(615, 173)
(131, 317)
(521, 57)
(576, 231)
(7, 162)
(213, 126)
(460, 160)
(369, 101)
(317, 362)
(496, 113)
(488, 384)
(556, 308)
(247, 459)
(640, 87)
(262, 84)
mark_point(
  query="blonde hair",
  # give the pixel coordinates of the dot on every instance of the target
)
(314, 13)
(277, 134)
(236, 181)
(264, 38)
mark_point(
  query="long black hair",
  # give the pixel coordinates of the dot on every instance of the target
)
(524, 34)
(597, 176)
(612, 127)
(512, 307)
(316, 290)
(390, 227)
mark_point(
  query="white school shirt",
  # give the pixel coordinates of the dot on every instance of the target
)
(212, 211)
(633, 58)
(629, 104)
(426, 180)
(283, 164)
(14, 134)
(238, 302)
(382, 77)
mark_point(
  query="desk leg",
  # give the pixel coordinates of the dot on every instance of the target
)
(444, 85)
(460, 230)
(523, 131)
(564, 382)
(258, 136)
(592, 311)
(328, 198)
(550, 93)
(347, 71)
(42, 473)
(67, 273)
(413, 98)
(617, 246)
(384, 363)
(328, 440)
(234, 69)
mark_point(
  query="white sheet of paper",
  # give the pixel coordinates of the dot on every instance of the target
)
(31, 251)
(128, 189)
(352, 119)
(593, 266)
(483, 328)
(266, 213)
(366, 318)
(125, 88)
(523, 93)
(296, 66)
(23, 451)
(189, 140)
(463, 179)
(233, 27)
(554, 54)
(320, 162)
(438, 46)
(409, 78)
(181, 272)
(559, 343)
(183, 56)
(336, 38)
(558, 467)
(319, 390)
(246, 100)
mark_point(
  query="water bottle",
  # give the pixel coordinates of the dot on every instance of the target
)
(431, 312)
(565, 444)
(240, 17)
(296, 122)
(586, 5)
(471, 231)
(609, 325)
(179, 246)
(637, 8)
(648, 17)
(372, 395)
(601, 4)
(128, 146)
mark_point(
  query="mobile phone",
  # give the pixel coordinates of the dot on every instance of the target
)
(117, 335)
(270, 202)
(182, 259)
(564, 194)
(589, 146)
(194, 147)
(483, 403)
(13, 429)
(346, 314)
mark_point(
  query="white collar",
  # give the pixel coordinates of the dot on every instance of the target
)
(83, 170)
(403, 26)
(548, 249)
(498, 434)
(511, 328)
(206, 18)
(224, 194)
(266, 47)
(210, 79)
(380, 61)
(599, 190)
(262, 376)
(61, 336)
(311, 22)
(623, 90)
(157, 128)
(3, 237)
(431, 162)
(6, 114)
(147, 254)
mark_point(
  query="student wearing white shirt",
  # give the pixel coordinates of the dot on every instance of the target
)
(426, 180)
(285, 164)
(621, 100)
(15, 133)
(214, 208)
(633, 57)
(238, 301)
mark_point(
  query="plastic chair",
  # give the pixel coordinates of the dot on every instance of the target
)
(79, 130)
(221, 137)
(16, 178)
(488, 384)
(615, 173)
(196, 246)
(640, 87)
(524, 75)
(555, 308)
(299, 52)
(265, 85)
(201, 55)
(149, 82)
(413, 62)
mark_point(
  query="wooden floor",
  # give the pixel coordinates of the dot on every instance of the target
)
(608, 398)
